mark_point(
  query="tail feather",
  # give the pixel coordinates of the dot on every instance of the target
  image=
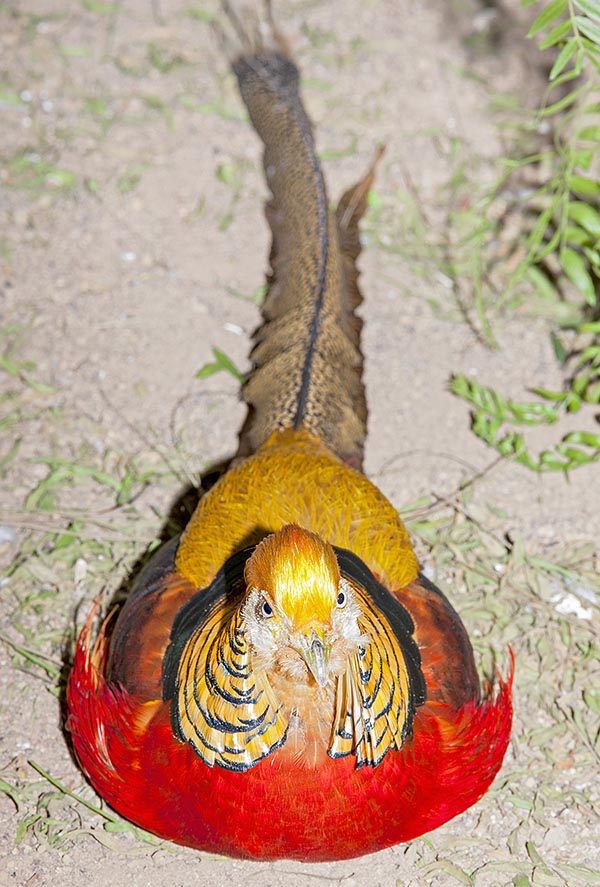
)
(350, 211)
(307, 360)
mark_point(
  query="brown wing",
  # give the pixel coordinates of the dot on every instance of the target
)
(142, 630)
(446, 653)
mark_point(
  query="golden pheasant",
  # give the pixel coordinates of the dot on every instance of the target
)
(282, 682)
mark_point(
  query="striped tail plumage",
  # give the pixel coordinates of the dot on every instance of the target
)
(307, 359)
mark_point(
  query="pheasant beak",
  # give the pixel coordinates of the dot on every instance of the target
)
(316, 655)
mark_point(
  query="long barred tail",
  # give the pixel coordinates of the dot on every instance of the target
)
(307, 360)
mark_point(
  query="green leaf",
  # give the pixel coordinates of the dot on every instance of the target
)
(578, 385)
(556, 35)
(589, 28)
(208, 369)
(592, 52)
(576, 457)
(586, 216)
(549, 395)
(526, 459)
(563, 103)
(590, 133)
(563, 58)
(588, 438)
(10, 792)
(572, 73)
(550, 247)
(591, 354)
(221, 362)
(582, 157)
(560, 352)
(573, 401)
(539, 229)
(548, 15)
(576, 270)
(229, 172)
(592, 394)
(117, 827)
(449, 869)
(592, 700)
(551, 461)
(583, 185)
(541, 282)
(590, 7)
(593, 257)
(576, 236)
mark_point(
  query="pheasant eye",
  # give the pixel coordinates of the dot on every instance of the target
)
(341, 599)
(266, 610)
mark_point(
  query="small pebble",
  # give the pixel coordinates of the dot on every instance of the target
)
(571, 606)
(7, 534)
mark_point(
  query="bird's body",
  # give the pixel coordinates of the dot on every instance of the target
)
(282, 682)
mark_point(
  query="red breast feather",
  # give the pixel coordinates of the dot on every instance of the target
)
(127, 749)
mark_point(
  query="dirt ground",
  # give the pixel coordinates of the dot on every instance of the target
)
(134, 243)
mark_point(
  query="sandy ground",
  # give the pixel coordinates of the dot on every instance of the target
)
(133, 244)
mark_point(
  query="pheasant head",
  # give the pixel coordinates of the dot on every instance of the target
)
(301, 615)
